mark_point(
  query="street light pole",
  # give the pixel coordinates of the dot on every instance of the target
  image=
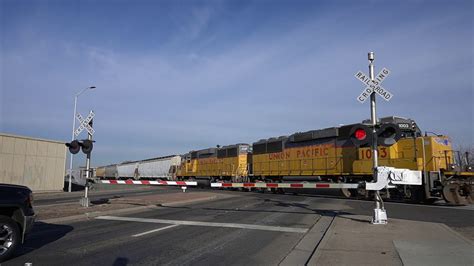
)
(72, 135)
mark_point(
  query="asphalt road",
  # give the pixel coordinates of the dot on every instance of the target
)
(100, 195)
(250, 229)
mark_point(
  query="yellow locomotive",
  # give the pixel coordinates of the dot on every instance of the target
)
(337, 155)
(227, 163)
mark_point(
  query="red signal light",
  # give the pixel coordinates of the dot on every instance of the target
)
(360, 134)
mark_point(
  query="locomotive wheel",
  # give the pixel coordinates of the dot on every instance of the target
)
(346, 193)
(414, 194)
(361, 193)
(457, 194)
(469, 193)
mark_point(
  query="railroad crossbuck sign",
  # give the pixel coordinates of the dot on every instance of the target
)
(84, 124)
(373, 85)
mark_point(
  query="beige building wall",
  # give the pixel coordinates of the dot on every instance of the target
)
(36, 163)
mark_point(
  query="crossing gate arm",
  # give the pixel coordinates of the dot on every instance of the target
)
(147, 182)
(390, 176)
(285, 185)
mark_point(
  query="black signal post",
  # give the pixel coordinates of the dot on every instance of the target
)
(87, 148)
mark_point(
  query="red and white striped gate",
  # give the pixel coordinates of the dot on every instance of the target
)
(184, 184)
(150, 182)
(285, 185)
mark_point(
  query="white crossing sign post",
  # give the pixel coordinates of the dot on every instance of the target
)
(373, 85)
(84, 124)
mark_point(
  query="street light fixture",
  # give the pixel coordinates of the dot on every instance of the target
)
(73, 128)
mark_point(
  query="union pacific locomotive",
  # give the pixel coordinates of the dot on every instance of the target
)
(341, 154)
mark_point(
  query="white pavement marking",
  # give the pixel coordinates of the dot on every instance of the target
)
(156, 230)
(228, 225)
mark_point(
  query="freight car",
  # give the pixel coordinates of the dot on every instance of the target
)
(106, 172)
(335, 155)
(159, 168)
(110, 171)
(163, 168)
(128, 170)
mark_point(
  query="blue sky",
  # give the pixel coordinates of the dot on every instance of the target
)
(173, 76)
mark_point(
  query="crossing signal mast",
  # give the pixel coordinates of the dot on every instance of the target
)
(375, 134)
(86, 146)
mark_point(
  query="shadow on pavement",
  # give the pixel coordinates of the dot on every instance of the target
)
(415, 212)
(354, 219)
(42, 234)
(449, 216)
(120, 261)
(100, 201)
(74, 187)
(322, 212)
(304, 208)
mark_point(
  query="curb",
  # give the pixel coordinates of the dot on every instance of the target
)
(91, 215)
(458, 235)
(303, 252)
(324, 240)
